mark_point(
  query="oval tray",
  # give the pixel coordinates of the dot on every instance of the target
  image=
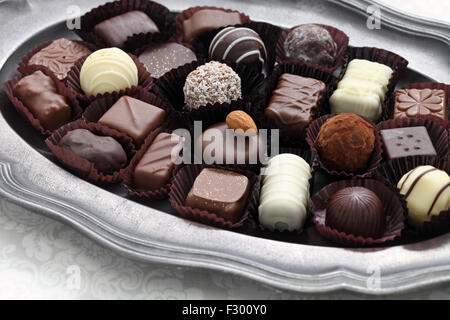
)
(146, 232)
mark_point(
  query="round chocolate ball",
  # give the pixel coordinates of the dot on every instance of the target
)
(238, 45)
(358, 211)
(345, 142)
(312, 44)
(213, 82)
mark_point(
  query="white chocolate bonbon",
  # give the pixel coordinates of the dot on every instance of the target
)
(285, 193)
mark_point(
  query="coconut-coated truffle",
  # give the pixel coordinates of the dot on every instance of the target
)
(212, 82)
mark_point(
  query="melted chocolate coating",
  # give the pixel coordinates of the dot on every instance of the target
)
(116, 30)
(293, 103)
(357, 211)
(221, 192)
(39, 94)
(105, 153)
(311, 44)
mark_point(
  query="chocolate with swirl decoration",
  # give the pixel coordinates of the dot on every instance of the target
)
(59, 56)
(427, 192)
(238, 45)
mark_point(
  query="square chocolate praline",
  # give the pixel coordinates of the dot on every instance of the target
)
(133, 117)
(408, 141)
(415, 102)
(116, 30)
(294, 103)
(221, 192)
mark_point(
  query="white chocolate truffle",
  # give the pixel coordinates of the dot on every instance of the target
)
(108, 70)
(427, 192)
(285, 193)
(362, 89)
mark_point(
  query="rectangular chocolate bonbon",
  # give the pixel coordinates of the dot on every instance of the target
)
(415, 102)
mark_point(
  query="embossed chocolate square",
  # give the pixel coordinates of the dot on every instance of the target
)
(133, 117)
(408, 141)
(415, 102)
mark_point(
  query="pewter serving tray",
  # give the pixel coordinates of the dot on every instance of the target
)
(147, 232)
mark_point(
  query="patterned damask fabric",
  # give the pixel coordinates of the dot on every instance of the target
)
(43, 259)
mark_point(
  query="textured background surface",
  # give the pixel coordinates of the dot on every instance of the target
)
(41, 258)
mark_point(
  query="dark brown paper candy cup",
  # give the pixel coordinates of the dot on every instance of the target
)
(24, 66)
(437, 132)
(338, 36)
(299, 70)
(60, 88)
(392, 171)
(394, 209)
(80, 166)
(182, 183)
(101, 105)
(420, 86)
(374, 161)
(157, 12)
(72, 81)
(188, 13)
(170, 86)
(128, 174)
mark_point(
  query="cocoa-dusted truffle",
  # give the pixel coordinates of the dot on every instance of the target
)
(310, 43)
(212, 82)
(358, 211)
(345, 142)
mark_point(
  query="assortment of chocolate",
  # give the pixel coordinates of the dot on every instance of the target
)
(336, 117)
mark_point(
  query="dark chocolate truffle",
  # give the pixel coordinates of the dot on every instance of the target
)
(155, 167)
(221, 146)
(162, 57)
(105, 153)
(60, 56)
(116, 30)
(221, 192)
(238, 45)
(358, 211)
(38, 93)
(345, 142)
(312, 44)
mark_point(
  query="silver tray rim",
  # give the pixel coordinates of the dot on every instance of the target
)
(309, 268)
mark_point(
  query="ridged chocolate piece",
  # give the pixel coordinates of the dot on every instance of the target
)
(221, 192)
(106, 153)
(38, 93)
(345, 142)
(357, 211)
(133, 117)
(116, 30)
(155, 167)
(163, 57)
(409, 141)
(60, 56)
(294, 102)
(415, 102)
(238, 45)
